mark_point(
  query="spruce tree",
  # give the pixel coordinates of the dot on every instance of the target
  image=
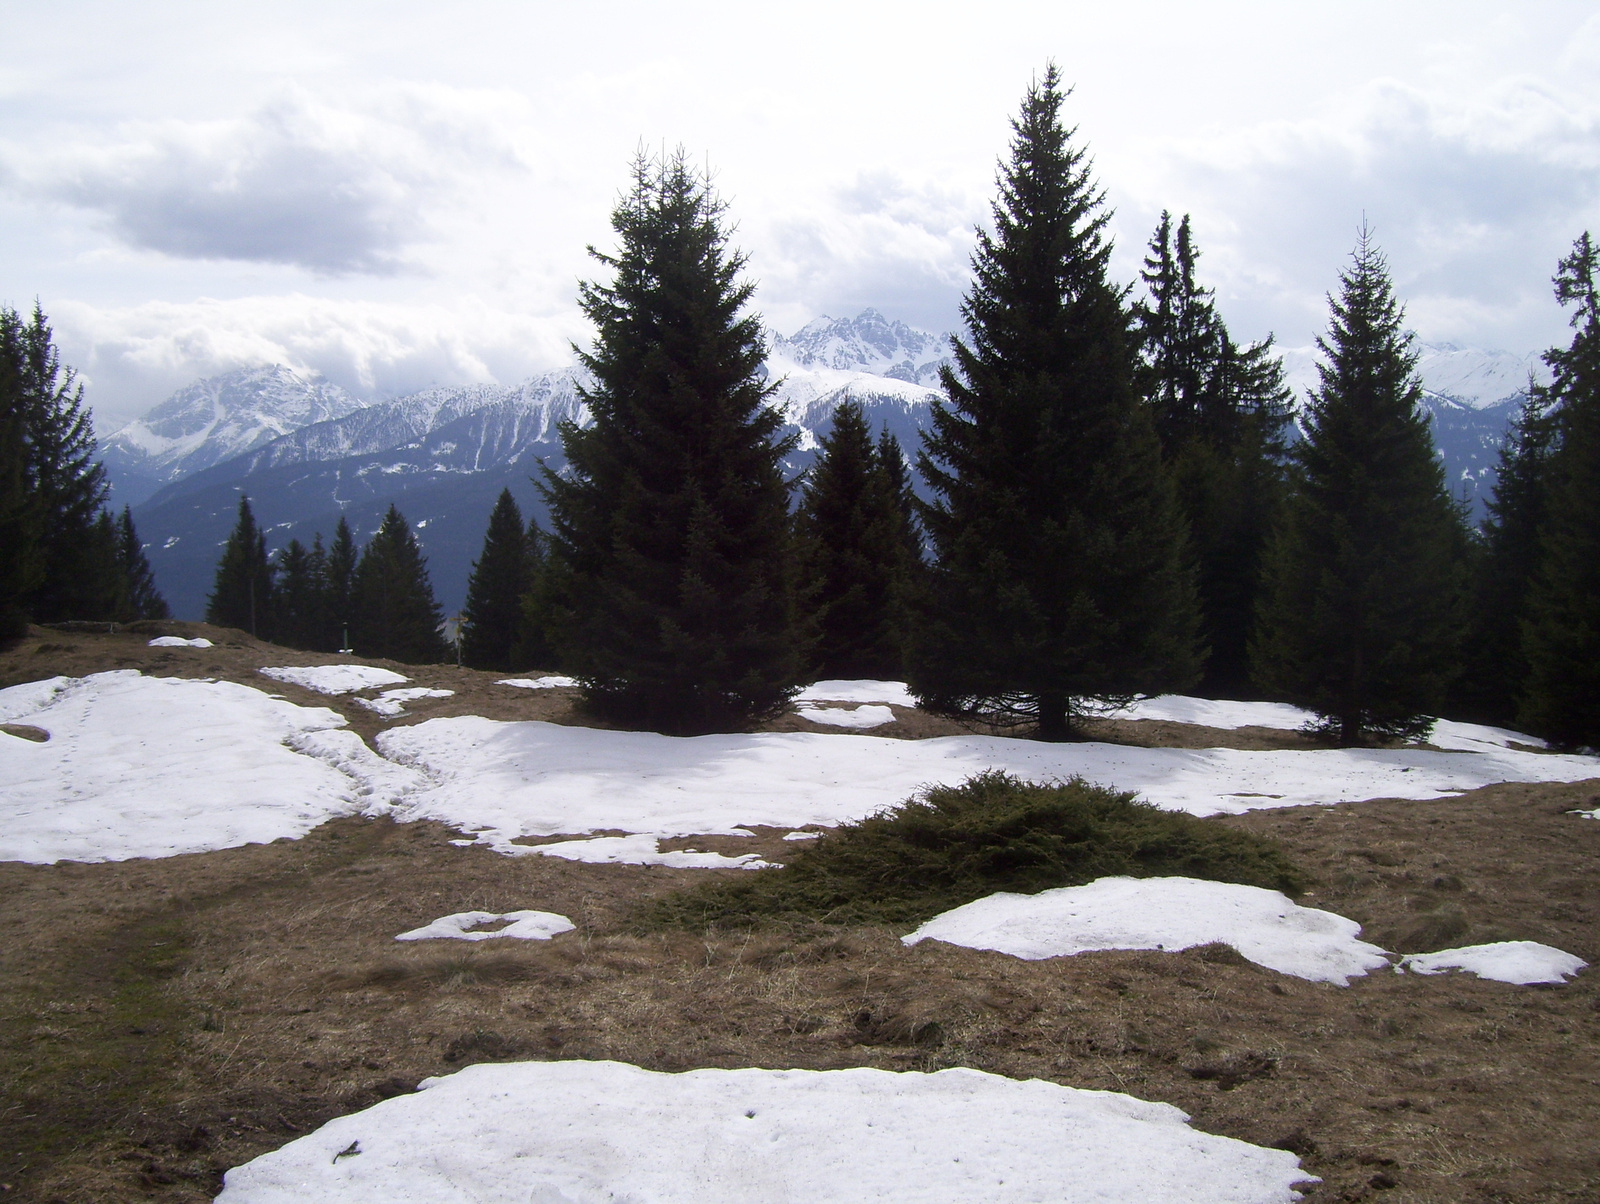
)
(21, 566)
(1220, 410)
(392, 610)
(142, 599)
(491, 620)
(65, 482)
(298, 597)
(1562, 633)
(1060, 579)
(1496, 669)
(102, 586)
(338, 579)
(671, 545)
(1362, 609)
(852, 526)
(243, 594)
(533, 647)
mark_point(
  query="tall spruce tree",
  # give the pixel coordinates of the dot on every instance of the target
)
(65, 483)
(491, 620)
(339, 576)
(671, 546)
(393, 613)
(1221, 411)
(533, 648)
(1495, 667)
(21, 566)
(1060, 577)
(1562, 633)
(141, 598)
(242, 596)
(852, 525)
(1362, 611)
(298, 600)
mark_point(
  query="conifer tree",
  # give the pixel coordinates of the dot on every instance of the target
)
(142, 599)
(298, 597)
(338, 580)
(852, 525)
(1060, 577)
(393, 613)
(1220, 410)
(671, 546)
(1362, 609)
(21, 566)
(65, 483)
(103, 583)
(1562, 633)
(243, 594)
(491, 620)
(533, 648)
(1496, 669)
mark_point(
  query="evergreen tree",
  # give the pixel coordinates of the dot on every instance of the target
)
(65, 483)
(1562, 633)
(1220, 411)
(338, 580)
(1060, 576)
(1496, 669)
(392, 611)
(1361, 618)
(21, 567)
(103, 585)
(852, 524)
(298, 598)
(243, 594)
(533, 648)
(138, 588)
(491, 620)
(671, 545)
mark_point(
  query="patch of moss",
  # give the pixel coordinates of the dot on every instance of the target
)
(950, 845)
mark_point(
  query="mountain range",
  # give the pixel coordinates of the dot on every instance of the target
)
(306, 452)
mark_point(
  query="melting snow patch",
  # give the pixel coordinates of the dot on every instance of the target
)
(861, 716)
(335, 679)
(177, 641)
(1519, 962)
(802, 835)
(538, 683)
(858, 691)
(521, 925)
(633, 850)
(392, 702)
(594, 1131)
(151, 767)
(1162, 913)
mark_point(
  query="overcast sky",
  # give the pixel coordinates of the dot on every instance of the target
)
(397, 195)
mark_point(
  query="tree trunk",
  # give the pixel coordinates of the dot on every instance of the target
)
(1055, 721)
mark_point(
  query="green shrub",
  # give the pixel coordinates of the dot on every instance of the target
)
(950, 845)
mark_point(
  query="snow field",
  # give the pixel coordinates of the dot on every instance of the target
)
(334, 679)
(1522, 963)
(176, 641)
(391, 703)
(588, 1132)
(152, 767)
(863, 716)
(1162, 913)
(522, 926)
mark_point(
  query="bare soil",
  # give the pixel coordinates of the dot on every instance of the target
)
(161, 1021)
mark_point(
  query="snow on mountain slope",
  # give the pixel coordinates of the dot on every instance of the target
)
(1475, 379)
(215, 420)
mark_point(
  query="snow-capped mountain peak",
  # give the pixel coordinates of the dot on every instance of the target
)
(869, 342)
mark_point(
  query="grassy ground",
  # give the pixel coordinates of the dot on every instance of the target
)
(161, 1021)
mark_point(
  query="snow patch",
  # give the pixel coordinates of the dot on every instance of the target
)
(334, 679)
(520, 925)
(538, 683)
(391, 703)
(177, 641)
(1162, 913)
(857, 717)
(834, 690)
(633, 850)
(1519, 962)
(585, 1132)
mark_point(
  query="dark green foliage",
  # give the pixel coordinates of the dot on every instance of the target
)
(339, 579)
(1220, 411)
(1562, 633)
(141, 599)
(671, 554)
(953, 844)
(857, 540)
(21, 566)
(65, 484)
(1060, 575)
(300, 596)
(491, 621)
(533, 648)
(243, 594)
(1362, 609)
(392, 611)
(1496, 668)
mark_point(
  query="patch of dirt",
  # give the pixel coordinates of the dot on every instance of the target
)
(161, 1021)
